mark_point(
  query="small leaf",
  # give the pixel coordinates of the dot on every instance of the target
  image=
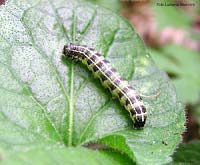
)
(188, 153)
(48, 103)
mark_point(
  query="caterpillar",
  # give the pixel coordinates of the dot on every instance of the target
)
(110, 79)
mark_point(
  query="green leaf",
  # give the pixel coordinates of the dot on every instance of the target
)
(188, 153)
(48, 103)
(183, 65)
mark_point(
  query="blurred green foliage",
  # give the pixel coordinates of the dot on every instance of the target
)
(183, 65)
(171, 16)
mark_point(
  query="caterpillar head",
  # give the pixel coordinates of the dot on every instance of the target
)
(139, 120)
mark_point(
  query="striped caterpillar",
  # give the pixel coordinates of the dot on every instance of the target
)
(110, 79)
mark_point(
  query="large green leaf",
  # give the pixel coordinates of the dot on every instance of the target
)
(48, 103)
